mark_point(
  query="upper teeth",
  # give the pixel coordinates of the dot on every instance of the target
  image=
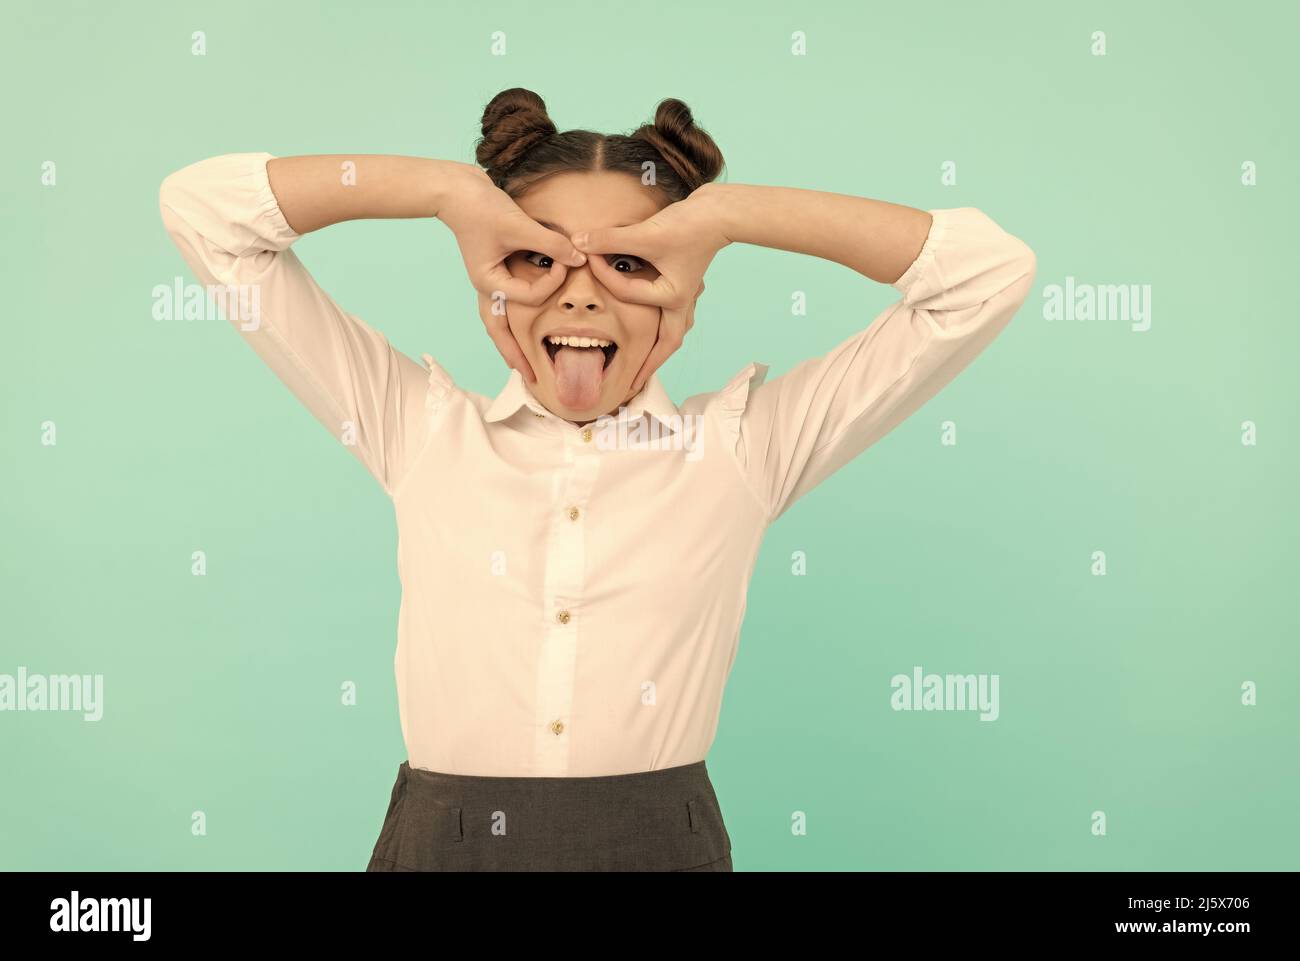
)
(580, 341)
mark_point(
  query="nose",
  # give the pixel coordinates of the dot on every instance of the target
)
(581, 291)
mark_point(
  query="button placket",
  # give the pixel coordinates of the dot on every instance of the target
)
(565, 563)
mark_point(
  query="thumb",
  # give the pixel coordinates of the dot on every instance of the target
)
(554, 244)
(632, 239)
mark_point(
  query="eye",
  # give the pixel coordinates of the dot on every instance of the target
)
(530, 254)
(633, 263)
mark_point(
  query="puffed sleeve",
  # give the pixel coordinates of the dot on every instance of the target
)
(229, 228)
(791, 433)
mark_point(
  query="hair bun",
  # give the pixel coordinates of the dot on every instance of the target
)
(513, 123)
(520, 146)
(688, 148)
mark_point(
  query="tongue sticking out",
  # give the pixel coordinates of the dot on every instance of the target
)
(578, 373)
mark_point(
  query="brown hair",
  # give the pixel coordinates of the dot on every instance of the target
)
(520, 145)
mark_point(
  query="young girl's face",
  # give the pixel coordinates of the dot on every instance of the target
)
(582, 383)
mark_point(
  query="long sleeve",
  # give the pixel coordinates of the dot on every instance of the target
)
(793, 432)
(224, 218)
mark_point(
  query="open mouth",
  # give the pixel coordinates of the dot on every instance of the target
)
(552, 344)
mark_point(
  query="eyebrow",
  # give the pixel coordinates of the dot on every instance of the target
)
(550, 226)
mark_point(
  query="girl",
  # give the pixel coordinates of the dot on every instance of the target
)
(574, 552)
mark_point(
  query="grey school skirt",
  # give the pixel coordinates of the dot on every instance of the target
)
(664, 820)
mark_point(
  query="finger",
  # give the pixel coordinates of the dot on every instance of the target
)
(652, 363)
(498, 328)
(690, 312)
(641, 239)
(498, 279)
(493, 325)
(533, 236)
(534, 293)
(634, 290)
(673, 325)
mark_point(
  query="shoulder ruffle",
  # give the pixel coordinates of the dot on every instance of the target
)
(440, 386)
(733, 397)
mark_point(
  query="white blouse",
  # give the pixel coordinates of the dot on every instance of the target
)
(572, 597)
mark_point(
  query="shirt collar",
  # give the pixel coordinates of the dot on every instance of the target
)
(652, 399)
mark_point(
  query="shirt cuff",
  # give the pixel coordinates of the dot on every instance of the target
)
(279, 233)
(924, 261)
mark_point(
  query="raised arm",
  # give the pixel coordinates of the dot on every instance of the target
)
(316, 191)
(876, 238)
(226, 219)
(962, 278)
(234, 218)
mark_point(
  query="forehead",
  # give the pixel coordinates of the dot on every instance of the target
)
(582, 200)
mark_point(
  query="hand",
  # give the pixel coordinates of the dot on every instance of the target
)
(680, 241)
(489, 227)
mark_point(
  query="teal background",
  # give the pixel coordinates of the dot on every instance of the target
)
(1118, 693)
